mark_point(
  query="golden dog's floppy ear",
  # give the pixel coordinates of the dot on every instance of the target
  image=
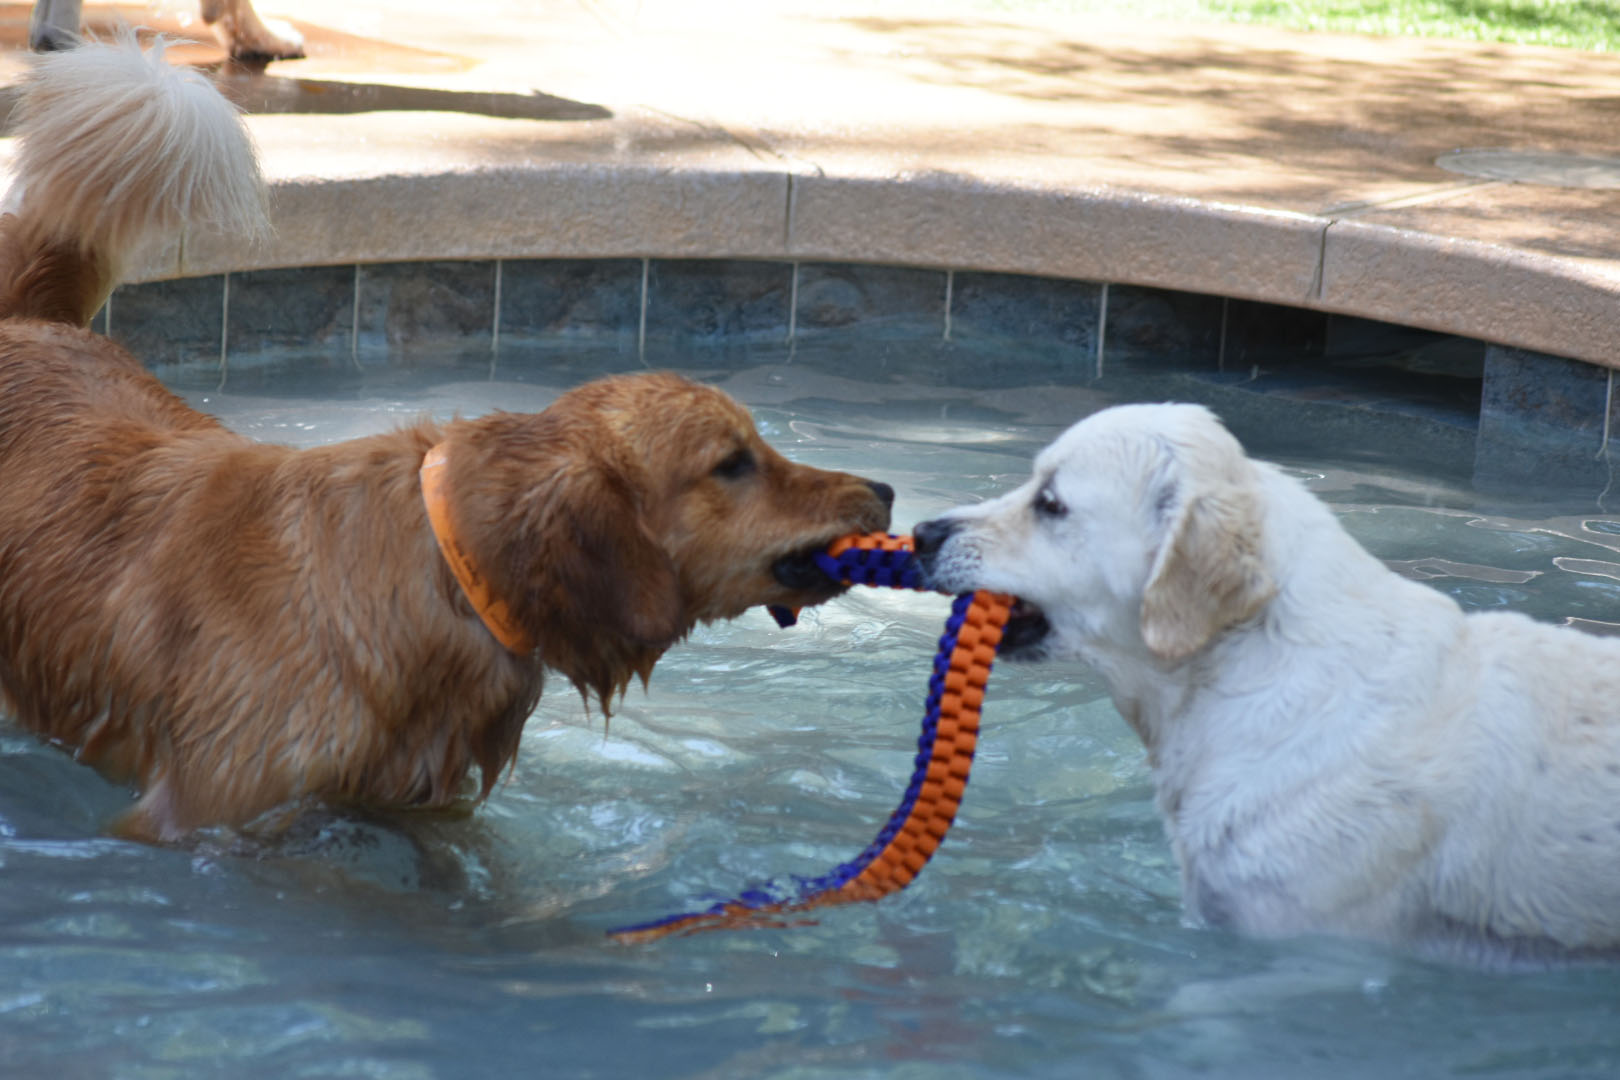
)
(591, 559)
(1208, 573)
(563, 534)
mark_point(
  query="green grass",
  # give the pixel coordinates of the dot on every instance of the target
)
(1576, 24)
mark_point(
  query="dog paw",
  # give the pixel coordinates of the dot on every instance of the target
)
(251, 40)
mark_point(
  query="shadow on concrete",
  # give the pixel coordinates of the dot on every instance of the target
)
(1277, 124)
(269, 94)
(259, 93)
(1454, 92)
(255, 90)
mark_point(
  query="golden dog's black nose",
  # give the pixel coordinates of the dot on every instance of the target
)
(884, 492)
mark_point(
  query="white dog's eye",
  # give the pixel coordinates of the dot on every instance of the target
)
(1048, 505)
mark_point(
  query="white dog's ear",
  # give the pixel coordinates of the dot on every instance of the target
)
(1208, 573)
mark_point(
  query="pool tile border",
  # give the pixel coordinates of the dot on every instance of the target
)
(1537, 412)
(564, 201)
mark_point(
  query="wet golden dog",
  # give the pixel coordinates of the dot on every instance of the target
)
(230, 625)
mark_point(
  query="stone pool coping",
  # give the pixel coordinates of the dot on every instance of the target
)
(1494, 293)
(1295, 169)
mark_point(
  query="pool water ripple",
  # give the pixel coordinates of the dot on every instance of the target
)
(1045, 940)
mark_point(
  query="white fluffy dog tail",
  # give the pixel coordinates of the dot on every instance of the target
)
(116, 147)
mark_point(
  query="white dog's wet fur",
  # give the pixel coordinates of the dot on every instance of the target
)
(1335, 749)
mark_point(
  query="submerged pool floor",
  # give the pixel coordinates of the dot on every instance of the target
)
(1045, 939)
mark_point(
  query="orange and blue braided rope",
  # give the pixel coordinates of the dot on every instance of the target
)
(950, 734)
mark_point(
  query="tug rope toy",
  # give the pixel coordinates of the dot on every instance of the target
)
(950, 732)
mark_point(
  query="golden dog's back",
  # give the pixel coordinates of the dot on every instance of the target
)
(130, 522)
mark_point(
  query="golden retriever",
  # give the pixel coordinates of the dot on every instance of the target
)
(229, 625)
(1335, 748)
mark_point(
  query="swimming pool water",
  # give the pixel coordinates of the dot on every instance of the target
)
(1045, 939)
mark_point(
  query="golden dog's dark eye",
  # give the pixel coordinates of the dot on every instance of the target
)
(1048, 505)
(737, 464)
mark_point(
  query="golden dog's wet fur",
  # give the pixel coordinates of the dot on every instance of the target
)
(229, 625)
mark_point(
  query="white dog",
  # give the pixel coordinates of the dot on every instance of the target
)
(1334, 748)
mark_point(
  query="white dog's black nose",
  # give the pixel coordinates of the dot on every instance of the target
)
(929, 536)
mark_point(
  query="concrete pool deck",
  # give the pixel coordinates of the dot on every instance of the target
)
(1242, 161)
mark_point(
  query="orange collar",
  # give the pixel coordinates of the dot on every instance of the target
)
(490, 608)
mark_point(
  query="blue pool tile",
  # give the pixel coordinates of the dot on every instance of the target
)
(1541, 421)
(704, 302)
(309, 309)
(876, 302)
(1161, 329)
(1258, 335)
(174, 326)
(409, 310)
(571, 302)
(1347, 335)
(1047, 316)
